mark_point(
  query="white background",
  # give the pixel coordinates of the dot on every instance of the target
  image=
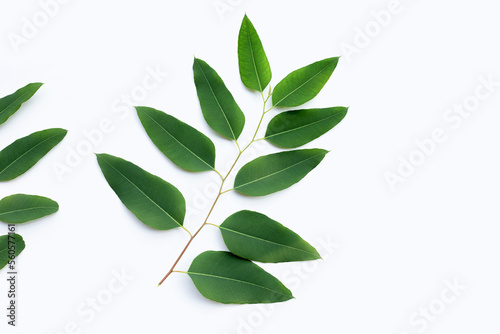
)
(394, 249)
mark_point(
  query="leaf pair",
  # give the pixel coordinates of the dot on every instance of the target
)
(15, 160)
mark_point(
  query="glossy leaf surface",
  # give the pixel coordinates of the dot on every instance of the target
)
(219, 108)
(255, 71)
(24, 153)
(15, 243)
(303, 84)
(226, 278)
(152, 200)
(295, 128)
(21, 208)
(275, 172)
(254, 236)
(184, 145)
(11, 103)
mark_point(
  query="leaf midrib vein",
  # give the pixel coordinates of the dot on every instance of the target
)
(211, 167)
(277, 172)
(304, 83)
(217, 100)
(149, 198)
(27, 209)
(300, 127)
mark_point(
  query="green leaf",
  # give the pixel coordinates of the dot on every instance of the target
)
(274, 172)
(254, 67)
(152, 200)
(254, 236)
(228, 279)
(21, 208)
(303, 84)
(12, 242)
(11, 103)
(298, 127)
(184, 145)
(217, 104)
(24, 153)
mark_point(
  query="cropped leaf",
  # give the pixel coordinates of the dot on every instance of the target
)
(24, 153)
(21, 208)
(298, 127)
(228, 279)
(254, 236)
(219, 108)
(11, 103)
(274, 172)
(152, 200)
(254, 67)
(303, 84)
(184, 145)
(12, 242)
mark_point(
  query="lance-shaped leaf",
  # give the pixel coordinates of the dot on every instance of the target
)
(184, 145)
(219, 108)
(298, 127)
(274, 172)
(11, 246)
(24, 153)
(303, 84)
(254, 67)
(21, 208)
(228, 279)
(152, 200)
(11, 103)
(254, 236)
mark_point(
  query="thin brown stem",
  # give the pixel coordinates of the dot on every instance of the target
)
(205, 222)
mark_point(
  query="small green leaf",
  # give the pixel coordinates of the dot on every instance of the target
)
(298, 127)
(228, 279)
(24, 153)
(254, 67)
(152, 200)
(184, 145)
(274, 172)
(21, 208)
(219, 108)
(254, 236)
(11, 103)
(303, 84)
(11, 246)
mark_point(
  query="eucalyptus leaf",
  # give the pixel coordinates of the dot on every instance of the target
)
(254, 236)
(152, 200)
(184, 145)
(24, 153)
(15, 243)
(219, 108)
(303, 84)
(254, 67)
(11, 103)
(20, 208)
(295, 128)
(274, 172)
(226, 278)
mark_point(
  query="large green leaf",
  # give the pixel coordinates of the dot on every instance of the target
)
(24, 153)
(228, 279)
(254, 67)
(298, 127)
(254, 236)
(184, 145)
(274, 172)
(303, 84)
(21, 208)
(12, 242)
(219, 108)
(11, 103)
(152, 200)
